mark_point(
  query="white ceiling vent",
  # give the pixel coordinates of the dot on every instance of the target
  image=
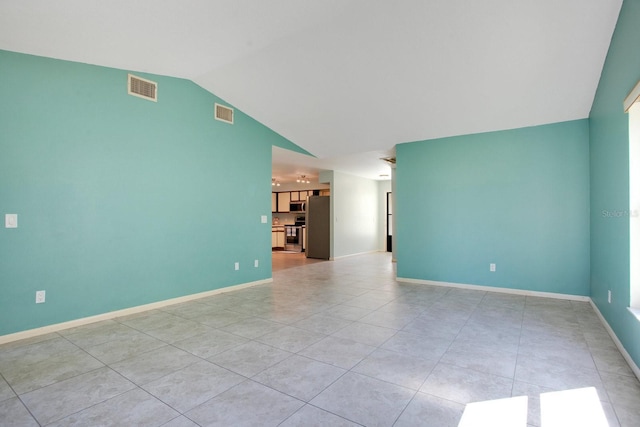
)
(224, 114)
(142, 88)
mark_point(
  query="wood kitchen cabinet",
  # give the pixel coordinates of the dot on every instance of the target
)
(277, 237)
(284, 199)
(300, 196)
(280, 200)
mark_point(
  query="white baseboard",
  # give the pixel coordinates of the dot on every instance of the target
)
(356, 254)
(617, 342)
(124, 312)
(495, 289)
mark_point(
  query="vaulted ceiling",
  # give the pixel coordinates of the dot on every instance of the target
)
(345, 77)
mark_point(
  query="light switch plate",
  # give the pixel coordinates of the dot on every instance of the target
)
(11, 220)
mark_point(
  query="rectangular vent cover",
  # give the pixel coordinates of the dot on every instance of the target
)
(224, 114)
(143, 88)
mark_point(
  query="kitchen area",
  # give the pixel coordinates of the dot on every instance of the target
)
(295, 214)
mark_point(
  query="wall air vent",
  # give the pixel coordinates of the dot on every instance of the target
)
(224, 114)
(142, 88)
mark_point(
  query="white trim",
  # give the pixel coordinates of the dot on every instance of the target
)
(632, 97)
(617, 342)
(494, 289)
(634, 204)
(623, 351)
(356, 254)
(635, 312)
(124, 312)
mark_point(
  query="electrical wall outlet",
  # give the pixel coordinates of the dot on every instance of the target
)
(11, 221)
(492, 267)
(40, 297)
(256, 263)
(609, 296)
(237, 266)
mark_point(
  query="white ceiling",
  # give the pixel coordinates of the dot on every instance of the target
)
(345, 77)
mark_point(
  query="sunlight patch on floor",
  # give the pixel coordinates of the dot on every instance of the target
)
(509, 412)
(576, 407)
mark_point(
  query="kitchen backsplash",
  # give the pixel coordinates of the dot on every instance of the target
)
(284, 218)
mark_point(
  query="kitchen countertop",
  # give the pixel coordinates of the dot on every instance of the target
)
(283, 227)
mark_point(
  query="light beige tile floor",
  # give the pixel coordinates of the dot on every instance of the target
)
(337, 343)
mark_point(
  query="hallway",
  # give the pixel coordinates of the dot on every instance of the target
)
(283, 260)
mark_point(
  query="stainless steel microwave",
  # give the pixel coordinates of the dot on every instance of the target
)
(297, 207)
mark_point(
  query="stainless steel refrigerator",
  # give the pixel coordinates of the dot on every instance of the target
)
(318, 226)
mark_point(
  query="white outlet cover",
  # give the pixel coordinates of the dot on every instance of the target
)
(11, 220)
(237, 266)
(256, 263)
(40, 297)
(263, 219)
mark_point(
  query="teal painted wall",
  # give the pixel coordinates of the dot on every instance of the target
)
(122, 201)
(517, 198)
(609, 146)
